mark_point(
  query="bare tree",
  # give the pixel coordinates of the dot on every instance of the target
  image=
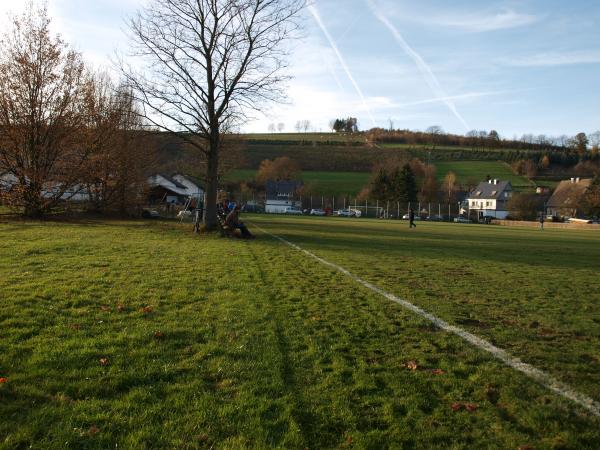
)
(435, 132)
(302, 126)
(44, 100)
(272, 128)
(122, 153)
(207, 65)
(449, 186)
(280, 127)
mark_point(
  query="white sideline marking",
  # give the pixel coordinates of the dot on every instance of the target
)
(538, 375)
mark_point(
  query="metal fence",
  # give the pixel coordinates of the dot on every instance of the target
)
(368, 208)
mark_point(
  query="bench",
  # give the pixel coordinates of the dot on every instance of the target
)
(226, 230)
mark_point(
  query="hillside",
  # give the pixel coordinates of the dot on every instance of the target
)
(340, 164)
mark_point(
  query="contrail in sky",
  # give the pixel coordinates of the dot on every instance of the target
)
(315, 13)
(428, 74)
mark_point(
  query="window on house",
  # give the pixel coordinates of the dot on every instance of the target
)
(494, 193)
(478, 193)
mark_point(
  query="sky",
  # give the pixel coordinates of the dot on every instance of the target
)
(516, 66)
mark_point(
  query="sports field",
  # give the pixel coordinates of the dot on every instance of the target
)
(141, 335)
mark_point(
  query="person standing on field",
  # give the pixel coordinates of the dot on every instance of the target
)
(411, 216)
(542, 221)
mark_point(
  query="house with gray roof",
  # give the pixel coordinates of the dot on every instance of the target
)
(281, 195)
(490, 198)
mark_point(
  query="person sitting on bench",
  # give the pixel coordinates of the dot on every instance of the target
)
(223, 208)
(233, 221)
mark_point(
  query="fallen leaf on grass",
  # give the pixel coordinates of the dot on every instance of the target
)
(75, 326)
(438, 372)
(525, 447)
(411, 365)
(147, 309)
(120, 307)
(105, 308)
(3, 380)
(456, 406)
(94, 430)
(104, 361)
(159, 334)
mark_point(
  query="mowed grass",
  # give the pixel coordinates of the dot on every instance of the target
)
(468, 172)
(141, 335)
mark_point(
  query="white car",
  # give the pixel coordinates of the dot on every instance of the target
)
(461, 219)
(317, 212)
(292, 210)
(346, 213)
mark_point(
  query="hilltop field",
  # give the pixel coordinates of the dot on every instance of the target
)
(141, 335)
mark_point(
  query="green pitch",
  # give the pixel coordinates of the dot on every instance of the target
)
(141, 335)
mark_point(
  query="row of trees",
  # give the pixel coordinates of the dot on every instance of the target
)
(64, 129)
(348, 125)
(580, 145)
(399, 180)
(195, 70)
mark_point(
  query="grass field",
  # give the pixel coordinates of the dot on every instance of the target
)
(476, 171)
(141, 335)
(351, 183)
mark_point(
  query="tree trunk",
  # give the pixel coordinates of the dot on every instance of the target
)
(212, 183)
(32, 199)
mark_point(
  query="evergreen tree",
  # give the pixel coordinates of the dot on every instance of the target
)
(380, 185)
(406, 190)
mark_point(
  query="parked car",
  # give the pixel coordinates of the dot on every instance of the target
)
(317, 212)
(407, 217)
(150, 214)
(461, 219)
(346, 213)
(292, 210)
(436, 218)
(357, 212)
(252, 208)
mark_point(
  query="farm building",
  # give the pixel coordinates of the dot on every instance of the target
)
(173, 190)
(566, 197)
(281, 195)
(490, 198)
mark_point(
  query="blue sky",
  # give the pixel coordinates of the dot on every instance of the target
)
(520, 66)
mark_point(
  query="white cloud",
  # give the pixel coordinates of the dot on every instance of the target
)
(554, 59)
(482, 22)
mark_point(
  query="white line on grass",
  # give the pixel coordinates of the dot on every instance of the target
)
(538, 375)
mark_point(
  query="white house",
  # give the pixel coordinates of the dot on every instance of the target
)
(281, 195)
(490, 198)
(175, 189)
